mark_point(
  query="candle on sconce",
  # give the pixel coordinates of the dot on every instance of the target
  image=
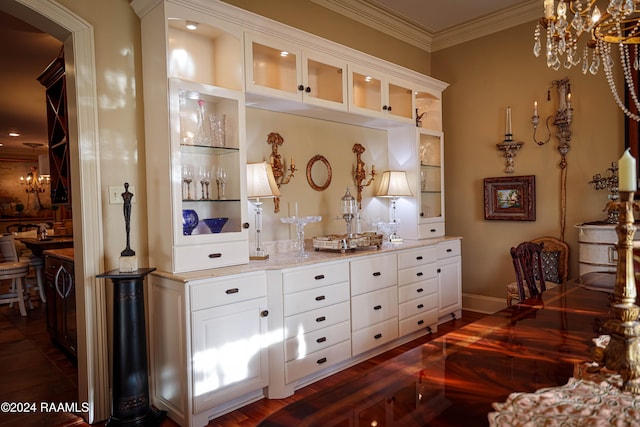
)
(627, 172)
(535, 108)
(293, 163)
(508, 122)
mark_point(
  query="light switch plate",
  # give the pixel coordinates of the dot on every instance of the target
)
(115, 194)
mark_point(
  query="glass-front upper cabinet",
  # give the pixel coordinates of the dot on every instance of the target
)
(378, 95)
(208, 176)
(431, 176)
(280, 69)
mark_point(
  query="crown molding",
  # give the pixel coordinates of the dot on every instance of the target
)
(384, 20)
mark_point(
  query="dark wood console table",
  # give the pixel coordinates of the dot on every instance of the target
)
(130, 401)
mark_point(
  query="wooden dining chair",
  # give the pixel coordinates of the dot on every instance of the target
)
(11, 269)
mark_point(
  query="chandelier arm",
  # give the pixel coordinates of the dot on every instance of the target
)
(535, 128)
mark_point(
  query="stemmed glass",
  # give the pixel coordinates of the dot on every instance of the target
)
(187, 178)
(221, 180)
(205, 177)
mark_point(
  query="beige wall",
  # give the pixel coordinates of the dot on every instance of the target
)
(486, 76)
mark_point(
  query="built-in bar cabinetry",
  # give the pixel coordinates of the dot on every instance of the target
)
(222, 338)
(60, 290)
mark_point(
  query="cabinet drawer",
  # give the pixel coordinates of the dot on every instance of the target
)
(209, 255)
(314, 362)
(227, 290)
(300, 302)
(420, 305)
(373, 273)
(413, 258)
(316, 319)
(417, 274)
(375, 335)
(417, 290)
(300, 346)
(449, 249)
(434, 229)
(314, 277)
(419, 321)
(374, 307)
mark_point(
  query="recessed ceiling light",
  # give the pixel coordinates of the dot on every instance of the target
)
(191, 25)
(14, 133)
(284, 53)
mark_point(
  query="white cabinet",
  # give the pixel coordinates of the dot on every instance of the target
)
(279, 68)
(374, 302)
(418, 290)
(208, 341)
(380, 95)
(449, 281)
(597, 247)
(420, 152)
(194, 128)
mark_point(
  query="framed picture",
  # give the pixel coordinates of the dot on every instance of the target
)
(510, 198)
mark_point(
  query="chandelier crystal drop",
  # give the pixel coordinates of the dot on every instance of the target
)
(574, 26)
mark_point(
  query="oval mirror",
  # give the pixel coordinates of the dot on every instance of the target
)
(319, 173)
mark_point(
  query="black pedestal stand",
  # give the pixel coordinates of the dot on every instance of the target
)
(130, 402)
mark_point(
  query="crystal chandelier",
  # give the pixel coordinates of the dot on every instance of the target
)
(568, 22)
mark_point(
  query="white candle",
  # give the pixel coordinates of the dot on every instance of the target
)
(627, 172)
(508, 122)
(296, 214)
(535, 108)
(548, 9)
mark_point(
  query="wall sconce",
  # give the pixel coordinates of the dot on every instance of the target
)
(609, 182)
(562, 119)
(261, 184)
(394, 184)
(360, 172)
(509, 146)
(278, 167)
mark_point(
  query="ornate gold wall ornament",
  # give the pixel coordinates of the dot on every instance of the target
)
(360, 173)
(278, 166)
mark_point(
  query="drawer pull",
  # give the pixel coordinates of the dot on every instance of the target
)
(376, 274)
(377, 336)
(216, 255)
(420, 322)
(377, 307)
(433, 230)
(420, 306)
(319, 277)
(232, 291)
(419, 257)
(320, 298)
(439, 271)
(321, 339)
(419, 290)
(420, 273)
(321, 361)
(321, 319)
(449, 250)
(264, 313)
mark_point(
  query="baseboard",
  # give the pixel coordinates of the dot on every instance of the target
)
(482, 303)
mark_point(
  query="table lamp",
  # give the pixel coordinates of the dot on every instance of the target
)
(261, 184)
(394, 184)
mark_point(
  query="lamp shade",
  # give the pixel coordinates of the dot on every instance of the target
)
(394, 184)
(260, 181)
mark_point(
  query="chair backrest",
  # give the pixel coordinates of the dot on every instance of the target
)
(8, 251)
(556, 250)
(527, 263)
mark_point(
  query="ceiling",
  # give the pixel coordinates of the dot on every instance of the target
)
(429, 24)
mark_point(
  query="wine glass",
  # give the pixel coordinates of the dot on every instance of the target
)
(221, 180)
(187, 178)
(205, 177)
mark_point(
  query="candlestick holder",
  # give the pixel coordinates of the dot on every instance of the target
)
(300, 222)
(360, 173)
(608, 182)
(622, 353)
(281, 172)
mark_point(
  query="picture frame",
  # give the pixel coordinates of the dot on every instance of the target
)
(511, 198)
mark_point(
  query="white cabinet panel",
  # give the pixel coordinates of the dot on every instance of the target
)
(301, 302)
(374, 307)
(316, 319)
(374, 336)
(375, 272)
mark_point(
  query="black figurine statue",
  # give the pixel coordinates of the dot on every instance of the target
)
(127, 196)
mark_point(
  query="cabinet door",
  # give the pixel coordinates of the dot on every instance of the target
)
(273, 67)
(431, 176)
(449, 285)
(228, 354)
(324, 81)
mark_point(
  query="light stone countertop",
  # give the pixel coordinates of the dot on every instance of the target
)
(289, 259)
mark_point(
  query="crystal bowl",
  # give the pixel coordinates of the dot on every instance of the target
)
(215, 224)
(189, 221)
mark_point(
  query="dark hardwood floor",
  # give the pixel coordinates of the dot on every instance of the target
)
(33, 370)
